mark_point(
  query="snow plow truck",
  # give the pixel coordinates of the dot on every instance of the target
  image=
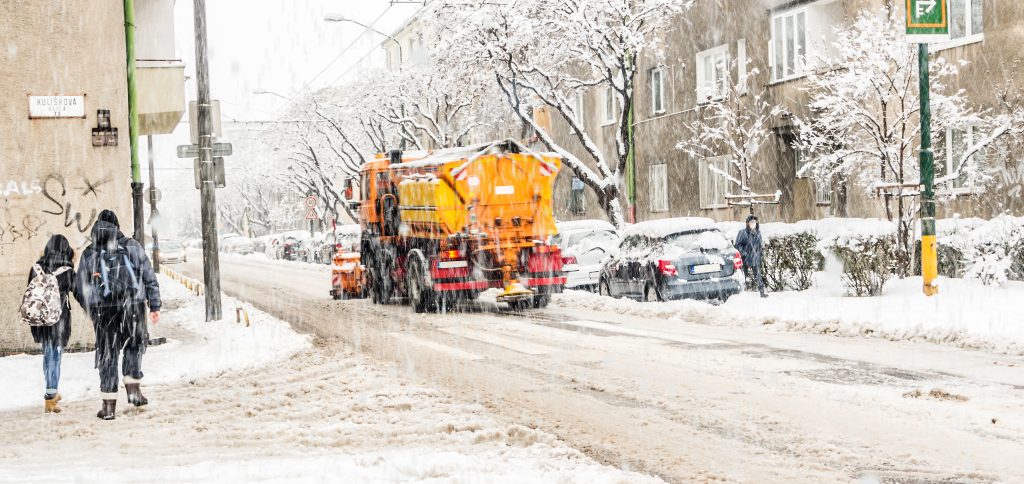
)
(443, 226)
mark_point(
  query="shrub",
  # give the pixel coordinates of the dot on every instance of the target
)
(791, 261)
(995, 251)
(867, 250)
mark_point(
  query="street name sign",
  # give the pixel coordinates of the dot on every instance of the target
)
(927, 21)
(192, 151)
(56, 107)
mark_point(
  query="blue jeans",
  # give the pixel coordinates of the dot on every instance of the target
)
(51, 366)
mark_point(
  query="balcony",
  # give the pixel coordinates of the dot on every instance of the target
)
(160, 91)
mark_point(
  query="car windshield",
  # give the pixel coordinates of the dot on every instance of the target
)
(702, 240)
(170, 246)
(596, 237)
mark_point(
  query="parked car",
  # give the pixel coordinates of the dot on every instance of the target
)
(673, 259)
(341, 239)
(236, 244)
(295, 245)
(172, 253)
(584, 244)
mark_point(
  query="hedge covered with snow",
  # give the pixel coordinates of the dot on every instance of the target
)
(991, 251)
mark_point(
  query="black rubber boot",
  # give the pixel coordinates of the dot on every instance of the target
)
(107, 412)
(135, 394)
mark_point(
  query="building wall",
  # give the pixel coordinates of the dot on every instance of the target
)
(992, 63)
(54, 180)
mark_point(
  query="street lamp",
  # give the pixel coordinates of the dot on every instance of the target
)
(401, 57)
(264, 91)
(341, 18)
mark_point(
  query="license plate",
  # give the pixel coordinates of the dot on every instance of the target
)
(705, 269)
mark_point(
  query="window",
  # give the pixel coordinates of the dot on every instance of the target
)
(609, 106)
(789, 44)
(580, 108)
(658, 90)
(712, 74)
(822, 194)
(966, 22)
(577, 197)
(741, 65)
(950, 147)
(659, 188)
(713, 186)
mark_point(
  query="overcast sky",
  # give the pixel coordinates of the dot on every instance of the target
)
(276, 45)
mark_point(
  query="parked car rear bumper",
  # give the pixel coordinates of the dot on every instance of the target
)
(720, 288)
(582, 276)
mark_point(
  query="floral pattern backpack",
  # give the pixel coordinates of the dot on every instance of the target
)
(41, 304)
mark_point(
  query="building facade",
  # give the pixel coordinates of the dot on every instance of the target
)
(64, 145)
(720, 41)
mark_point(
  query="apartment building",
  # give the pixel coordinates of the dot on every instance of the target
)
(774, 42)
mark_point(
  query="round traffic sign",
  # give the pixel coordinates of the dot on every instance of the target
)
(311, 201)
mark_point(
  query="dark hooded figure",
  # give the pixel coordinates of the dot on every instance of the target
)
(57, 259)
(116, 282)
(751, 247)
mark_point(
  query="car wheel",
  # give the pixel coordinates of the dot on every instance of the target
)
(604, 289)
(652, 294)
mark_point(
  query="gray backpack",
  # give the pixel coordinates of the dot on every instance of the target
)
(41, 304)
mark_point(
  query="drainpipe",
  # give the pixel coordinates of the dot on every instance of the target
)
(631, 157)
(133, 122)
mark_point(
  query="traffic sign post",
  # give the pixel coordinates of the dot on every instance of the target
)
(927, 21)
(311, 214)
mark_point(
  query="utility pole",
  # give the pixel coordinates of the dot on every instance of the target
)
(929, 256)
(208, 188)
(927, 21)
(152, 204)
(138, 220)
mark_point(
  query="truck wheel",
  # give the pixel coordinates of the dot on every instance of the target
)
(541, 301)
(420, 295)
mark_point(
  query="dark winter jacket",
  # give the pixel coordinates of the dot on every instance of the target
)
(58, 254)
(108, 235)
(749, 243)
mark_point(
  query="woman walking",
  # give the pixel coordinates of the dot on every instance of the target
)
(57, 260)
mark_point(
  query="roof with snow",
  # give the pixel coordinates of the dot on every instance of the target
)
(665, 227)
(449, 155)
(584, 225)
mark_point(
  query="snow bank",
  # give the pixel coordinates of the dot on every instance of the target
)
(965, 314)
(194, 349)
(262, 258)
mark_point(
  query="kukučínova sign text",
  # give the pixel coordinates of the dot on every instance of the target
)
(927, 21)
(56, 106)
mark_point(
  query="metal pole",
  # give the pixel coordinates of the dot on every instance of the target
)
(929, 262)
(208, 190)
(152, 204)
(133, 123)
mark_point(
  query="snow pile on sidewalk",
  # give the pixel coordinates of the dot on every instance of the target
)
(965, 314)
(194, 349)
(323, 415)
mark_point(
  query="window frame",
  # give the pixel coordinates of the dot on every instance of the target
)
(949, 162)
(799, 65)
(580, 108)
(658, 204)
(608, 109)
(703, 96)
(657, 90)
(705, 175)
(577, 197)
(970, 36)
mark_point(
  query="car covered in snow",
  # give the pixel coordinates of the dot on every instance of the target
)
(236, 244)
(172, 252)
(675, 258)
(584, 244)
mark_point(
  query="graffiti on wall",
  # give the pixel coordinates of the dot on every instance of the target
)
(55, 204)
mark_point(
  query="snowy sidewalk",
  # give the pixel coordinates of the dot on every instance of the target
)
(241, 404)
(194, 349)
(965, 314)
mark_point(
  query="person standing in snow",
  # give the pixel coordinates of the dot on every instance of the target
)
(57, 260)
(116, 281)
(751, 247)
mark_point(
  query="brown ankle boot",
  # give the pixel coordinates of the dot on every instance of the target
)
(135, 394)
(51, 404)
(107, 412)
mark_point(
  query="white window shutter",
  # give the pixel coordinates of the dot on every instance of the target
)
(741, 65)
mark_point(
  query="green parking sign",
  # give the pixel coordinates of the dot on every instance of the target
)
(927, 21)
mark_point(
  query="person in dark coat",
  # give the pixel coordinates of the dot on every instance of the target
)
(751, 247)
(57, 255)
(120, 325)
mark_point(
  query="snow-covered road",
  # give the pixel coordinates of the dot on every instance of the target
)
(683, 400)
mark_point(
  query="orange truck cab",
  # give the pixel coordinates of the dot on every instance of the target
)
(446, 225)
